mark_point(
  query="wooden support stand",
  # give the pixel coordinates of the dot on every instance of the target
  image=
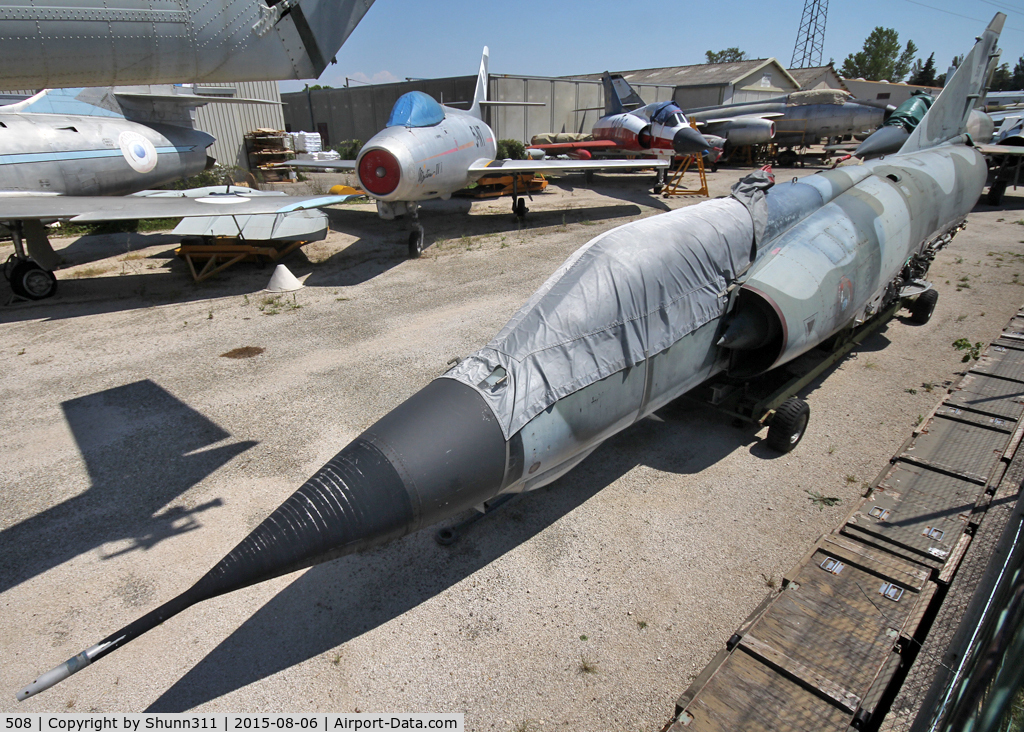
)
(224, 252)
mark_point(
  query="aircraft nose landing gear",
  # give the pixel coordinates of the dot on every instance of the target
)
(28, 279)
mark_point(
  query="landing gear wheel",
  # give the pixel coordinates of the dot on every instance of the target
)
(415, 243)
(995, 193)
(787, 159)
(31, 281)
(658, 188)
(519, 208)
(788, 425)
(922, 308)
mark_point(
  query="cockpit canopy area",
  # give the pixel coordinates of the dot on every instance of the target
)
(668, 114)
(415, 109)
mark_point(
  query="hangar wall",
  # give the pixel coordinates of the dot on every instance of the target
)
(360, 112)
(229, 122)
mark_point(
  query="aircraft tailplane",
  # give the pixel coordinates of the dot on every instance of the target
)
(480, 95)
(619, 96)
(948, 116)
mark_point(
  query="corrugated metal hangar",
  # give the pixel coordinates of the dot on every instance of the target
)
(572, 103)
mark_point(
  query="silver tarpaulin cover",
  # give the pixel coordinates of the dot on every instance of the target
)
(624, 296)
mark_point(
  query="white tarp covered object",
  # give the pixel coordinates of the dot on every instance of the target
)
(624, 296)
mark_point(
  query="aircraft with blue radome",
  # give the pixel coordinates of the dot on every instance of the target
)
(637, 317)
(428, 150)
(76, 153)
(46, 44)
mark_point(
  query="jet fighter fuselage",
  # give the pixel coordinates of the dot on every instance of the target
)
(76, 155)
(659, 128)
(425, 151)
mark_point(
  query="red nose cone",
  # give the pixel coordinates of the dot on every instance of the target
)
(379, 172)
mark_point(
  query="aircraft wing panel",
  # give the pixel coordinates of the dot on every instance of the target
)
(321, 164)
(498, 167)
(719, 120)
(578, 145)
(87, 209)
(1000, 149)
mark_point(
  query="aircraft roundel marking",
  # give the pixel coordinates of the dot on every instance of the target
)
(138, 151)
(845, 293)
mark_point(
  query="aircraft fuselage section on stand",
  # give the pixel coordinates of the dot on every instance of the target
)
(75, 155)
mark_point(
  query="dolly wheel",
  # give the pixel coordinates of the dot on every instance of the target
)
(788, 425)
(922, 308)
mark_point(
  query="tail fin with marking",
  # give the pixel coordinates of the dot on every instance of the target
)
(948, 116)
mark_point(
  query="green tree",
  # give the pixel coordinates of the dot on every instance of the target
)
(940, 80)
(725, 56)
(1002, 78)
(925, 75)
(881, 57)
(1018, 74)
(318, 86)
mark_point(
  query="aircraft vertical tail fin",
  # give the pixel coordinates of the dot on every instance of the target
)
(480, 95)
(619, 96)
(948, 116)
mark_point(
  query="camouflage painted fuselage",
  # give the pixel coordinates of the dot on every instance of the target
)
(835, 240)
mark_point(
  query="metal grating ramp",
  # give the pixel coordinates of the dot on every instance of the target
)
(825, 651)
(964, 450)
(988, 395)
(916, 510)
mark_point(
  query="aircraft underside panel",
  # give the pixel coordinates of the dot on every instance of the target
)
(94, 43)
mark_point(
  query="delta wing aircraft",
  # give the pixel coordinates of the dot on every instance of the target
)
(75, 153)
(630, 126)
(427, 150)
(47, 43)
(635, 318)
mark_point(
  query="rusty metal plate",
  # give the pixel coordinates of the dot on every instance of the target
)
(746, 694)
(839, 626)
(990, 395)
(965, 450)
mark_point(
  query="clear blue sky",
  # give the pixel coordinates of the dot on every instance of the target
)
(424, 39)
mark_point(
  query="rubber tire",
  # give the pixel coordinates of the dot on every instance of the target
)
(788, 425)
(995, 193)
(32, 282)
(415, 243)
(658, 188)
(519, 208)
(787, 159)
(923, 306)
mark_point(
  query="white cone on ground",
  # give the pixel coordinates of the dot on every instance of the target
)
(283, 280)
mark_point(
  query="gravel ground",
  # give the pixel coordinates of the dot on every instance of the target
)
(136, 456)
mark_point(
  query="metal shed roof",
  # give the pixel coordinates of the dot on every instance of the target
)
(699, 74)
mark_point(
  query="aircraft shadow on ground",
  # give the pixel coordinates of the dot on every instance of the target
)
(143, 448)
(1013, 201)
(336, 602)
